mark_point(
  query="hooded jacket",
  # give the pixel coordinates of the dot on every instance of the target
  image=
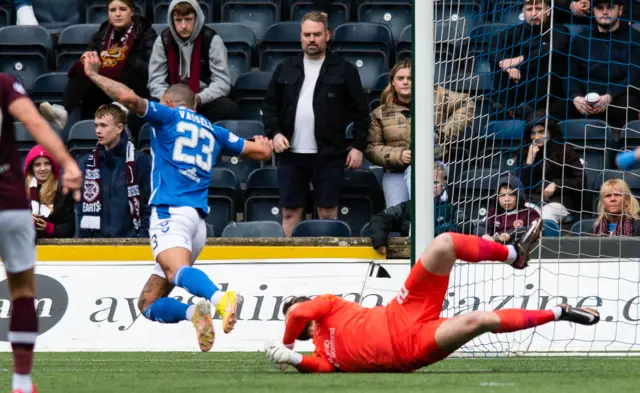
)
(115, 216)
(214, 84)
(513, 222)
(61, 220)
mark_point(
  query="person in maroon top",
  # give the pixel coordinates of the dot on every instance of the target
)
(17, 233)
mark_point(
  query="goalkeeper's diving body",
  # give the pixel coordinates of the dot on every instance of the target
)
(408, 333)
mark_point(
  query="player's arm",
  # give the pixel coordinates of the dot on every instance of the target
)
(115, 90)
(23, 110)
(298, 317)
(259, 149)
(281, 356)
(314, 364)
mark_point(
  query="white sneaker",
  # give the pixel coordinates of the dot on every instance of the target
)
(25, 16)
(55, 114)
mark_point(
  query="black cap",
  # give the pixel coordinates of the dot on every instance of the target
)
(595, 3)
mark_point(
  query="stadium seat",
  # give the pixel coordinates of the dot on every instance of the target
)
(49, 87)
(262, 201)
(395, 15)
(321, 228)
(222, 198)
(258, 15)
(632, 178)
(240, 166)
(578, 29)
(630, 136)
(24, 52)
(144, 138)
(82, 138)
(550, 229)
(362, 183)
(253, 229)
(482, 38)
(355, 211)
(592, 140)
(381, 83)
(404, 47)
(241, 46)
(97, 10)
(6, 13)
(582, 227)
(281, 41)
(161, 10)
(72, 43)
(508, 13)
(365, 45)
(159, 27)
(470, 83)
(24, 140)
(340, 12)
(462, 16)
(366, 230)
(55, 15)
(250, 89)
(476, 184)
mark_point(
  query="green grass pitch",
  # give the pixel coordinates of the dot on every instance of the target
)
(250, 372)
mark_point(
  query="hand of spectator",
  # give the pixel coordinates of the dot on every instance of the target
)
(514, 73)
(39, 222)
(488, 237)
(382, 250)
(71, 178)
(91, 62)
(280, 143)
(405, 157)
(580, 7)
(581, 105)
(510, 63)
(549, 190)
(504, 237)
(601, 105)
(533, 150)
(354, 159)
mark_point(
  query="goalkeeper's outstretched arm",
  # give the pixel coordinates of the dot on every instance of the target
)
(280, 354)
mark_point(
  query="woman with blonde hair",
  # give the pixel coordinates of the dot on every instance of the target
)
(52, 211)
(618, 210)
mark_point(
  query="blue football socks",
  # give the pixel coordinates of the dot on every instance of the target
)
(195, 281)
(167, 310)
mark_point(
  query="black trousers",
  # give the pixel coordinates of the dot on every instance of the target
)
(223, 108)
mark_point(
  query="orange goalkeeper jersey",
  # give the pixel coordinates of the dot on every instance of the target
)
(347, 336)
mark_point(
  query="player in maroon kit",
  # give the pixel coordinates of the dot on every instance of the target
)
(17, 232)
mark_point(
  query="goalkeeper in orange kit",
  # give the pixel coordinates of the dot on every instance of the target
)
(408, 333)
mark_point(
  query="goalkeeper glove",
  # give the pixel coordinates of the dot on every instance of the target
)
(282, 356)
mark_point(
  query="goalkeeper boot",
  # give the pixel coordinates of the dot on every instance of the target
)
(227, 308)
(203, 323)
(526, 244)
(33, 390)
(582, 316)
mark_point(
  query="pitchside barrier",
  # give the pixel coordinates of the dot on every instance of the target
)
(88, 292)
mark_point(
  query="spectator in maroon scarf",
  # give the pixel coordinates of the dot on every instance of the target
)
(618, 210)
(510, 217)
(52, 211)
(124, 43)
(192, 53)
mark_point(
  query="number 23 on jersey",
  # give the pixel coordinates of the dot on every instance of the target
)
(195, 147)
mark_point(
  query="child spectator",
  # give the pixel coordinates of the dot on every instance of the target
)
(53, 212)
(618, 210)
(510, 218)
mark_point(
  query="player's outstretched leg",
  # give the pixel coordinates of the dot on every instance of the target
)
(197, 283)
(457, 331)
(445, 249)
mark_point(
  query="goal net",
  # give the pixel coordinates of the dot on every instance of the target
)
(533, 100)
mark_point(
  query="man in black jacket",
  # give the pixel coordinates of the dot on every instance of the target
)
(521, 60)
(310, 101)
(604, 63)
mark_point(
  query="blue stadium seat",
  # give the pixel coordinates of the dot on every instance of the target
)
(508, 132)
(482, 38)
(366, 230)
(632, 178)
(281, 41)
(630, 136)
(258, 15)
(159, 27)
(476, 184)
(395, 15)
(24, 52)
(355, 211)
(97, 10)
(161, 10)
(470, 83)
(262, 201)
(592, 140)
(144, 138)
(240, 166)
(49, 87)
(367, 46)
(340, 12)
(550, 229)
(322, 228)
(508, 13)
(253, 229)
(222, 198)
(241, 46)
(6, 13)
(362, 183)
(250, 89)
(72, 43)
(404, 48)
(582, 227)
(462, 16)
(24, 140)
(82, 138)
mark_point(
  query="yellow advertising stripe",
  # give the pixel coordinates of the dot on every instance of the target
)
(113, 253)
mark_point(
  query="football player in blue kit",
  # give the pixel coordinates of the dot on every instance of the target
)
(184, 149)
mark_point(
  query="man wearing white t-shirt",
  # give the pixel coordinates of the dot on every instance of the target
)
(310, 101)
